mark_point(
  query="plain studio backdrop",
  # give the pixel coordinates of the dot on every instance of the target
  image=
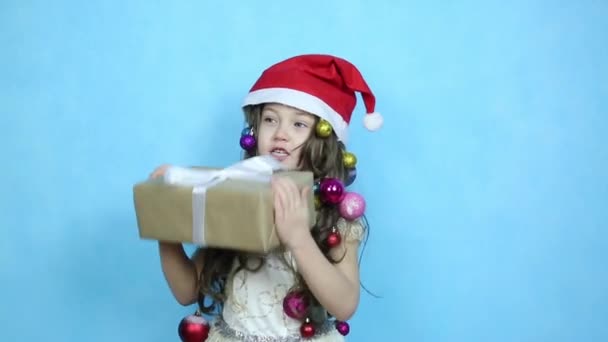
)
(487, 188)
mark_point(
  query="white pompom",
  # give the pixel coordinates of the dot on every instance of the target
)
(373, 121)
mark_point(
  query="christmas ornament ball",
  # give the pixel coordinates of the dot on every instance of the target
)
(307, 330)
(332, 190)
(349, 160)
(350, 178)
(295, 305)
(247, 142)
(343, 328)
(323, 129)
(352, 206)
(333, 239)
(193, 328)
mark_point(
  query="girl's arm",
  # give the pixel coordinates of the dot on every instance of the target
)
(181, 272)
(336, 286)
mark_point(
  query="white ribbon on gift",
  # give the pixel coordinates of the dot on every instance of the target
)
(258, 169)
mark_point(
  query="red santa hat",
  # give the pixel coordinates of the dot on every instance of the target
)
(323, 85)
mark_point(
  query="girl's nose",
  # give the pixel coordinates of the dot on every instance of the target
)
(281, 133)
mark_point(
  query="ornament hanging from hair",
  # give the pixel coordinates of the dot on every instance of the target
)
(342, 327)
(352, 206)
(247, 141)
(307, 330)
(295, 305)
(334, 238)
(351, 176)
(323, 129)
(349, 160)
(193, 328)
(331, 190)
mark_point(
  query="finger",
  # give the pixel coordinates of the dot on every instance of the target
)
(304, 194)
(159, 171)
(294, 192)
(289, 202)
(304, 198)
(291, 192)
(281, 196)
(279, 208)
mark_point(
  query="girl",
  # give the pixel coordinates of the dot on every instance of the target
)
(298, 112)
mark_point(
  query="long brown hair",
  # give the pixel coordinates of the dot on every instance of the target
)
(322, 156)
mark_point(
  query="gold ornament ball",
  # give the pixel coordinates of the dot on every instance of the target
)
(323, 129)
(350, 160)
(317, 202)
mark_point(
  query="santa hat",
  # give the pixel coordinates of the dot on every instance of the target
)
(319, 84)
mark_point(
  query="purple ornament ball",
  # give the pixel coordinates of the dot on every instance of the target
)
(247, 142)
(352, 206)
(343, 328)
(332, 190)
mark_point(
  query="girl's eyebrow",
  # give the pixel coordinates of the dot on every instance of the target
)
(298, 113)
(305, 115)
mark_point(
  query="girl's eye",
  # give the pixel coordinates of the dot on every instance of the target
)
(268, 119)
(301, 125)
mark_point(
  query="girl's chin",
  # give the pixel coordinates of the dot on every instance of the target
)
(287, 164)
(286, 161)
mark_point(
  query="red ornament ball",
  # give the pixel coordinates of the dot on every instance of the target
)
(193, 328)
(307, 330)
(332, 190)
(333, 239)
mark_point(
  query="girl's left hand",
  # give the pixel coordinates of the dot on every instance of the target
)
(290, 211)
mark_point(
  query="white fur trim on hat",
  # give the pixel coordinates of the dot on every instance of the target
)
(373, 121)
(302, 101)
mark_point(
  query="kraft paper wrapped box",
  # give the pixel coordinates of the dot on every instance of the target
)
(229, 208)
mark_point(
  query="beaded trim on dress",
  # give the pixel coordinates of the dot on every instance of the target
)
(225, 331)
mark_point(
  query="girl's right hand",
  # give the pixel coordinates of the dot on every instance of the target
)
(159, 171)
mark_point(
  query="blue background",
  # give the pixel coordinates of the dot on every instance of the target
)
(487, 188)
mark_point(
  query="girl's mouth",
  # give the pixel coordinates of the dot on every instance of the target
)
(279, 153)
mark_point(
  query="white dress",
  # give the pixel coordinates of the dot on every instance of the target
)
(253, 310)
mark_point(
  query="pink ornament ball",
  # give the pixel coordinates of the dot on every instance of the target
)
(295, 305)
(352, 206)
(332, 190)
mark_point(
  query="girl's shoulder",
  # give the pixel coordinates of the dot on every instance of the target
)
(351, 230)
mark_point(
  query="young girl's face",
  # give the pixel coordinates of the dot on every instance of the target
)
(282, 133)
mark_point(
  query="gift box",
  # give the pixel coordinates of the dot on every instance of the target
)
(229, 208)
